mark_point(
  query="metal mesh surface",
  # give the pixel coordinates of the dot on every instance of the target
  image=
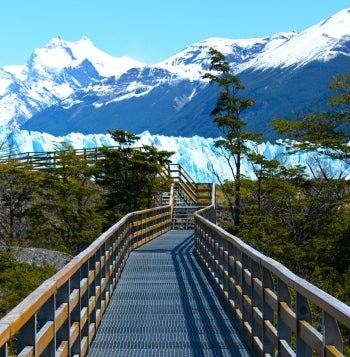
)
(164, 306)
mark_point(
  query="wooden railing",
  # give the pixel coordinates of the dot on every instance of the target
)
(188, 186)
(51, 159)
(268, 301)
(62, 315)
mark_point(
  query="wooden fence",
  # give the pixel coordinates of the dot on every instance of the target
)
(269, 302)
(62, 315)
(187, 184)
(51, 159)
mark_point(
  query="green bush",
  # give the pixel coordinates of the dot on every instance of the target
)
(17, 280)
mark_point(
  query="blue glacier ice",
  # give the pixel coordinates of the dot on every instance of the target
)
(196, 154)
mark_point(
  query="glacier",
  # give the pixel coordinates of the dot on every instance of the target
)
(197, 155)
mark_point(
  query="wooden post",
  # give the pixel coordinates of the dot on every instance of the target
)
(47, 314)
(4, 351)
(283, 295)
(303, 313)
(74, 346)
(231, 274)
(256, 300)
(331, 332)
(247, 295)
(239, 287)
(27, 335)
(62, 297)
(268, 313)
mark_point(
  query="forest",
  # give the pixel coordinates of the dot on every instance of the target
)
(67, 207)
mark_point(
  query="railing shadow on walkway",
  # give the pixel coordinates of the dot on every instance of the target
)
(270, 304)
(212, 318)
(167, 307)
(61, 317)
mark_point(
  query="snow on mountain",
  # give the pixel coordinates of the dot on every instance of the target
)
(52, 74)
(59, 54)
(196, 154)
(320, 42)
(189, 64)
(18, 72)
(193, 61)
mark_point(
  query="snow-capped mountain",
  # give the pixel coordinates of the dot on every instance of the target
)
(52, 74)
(321, 42)
(73, 86)
(198, 155)
(193, 62)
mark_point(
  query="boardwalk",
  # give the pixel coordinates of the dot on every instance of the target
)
(164, 306)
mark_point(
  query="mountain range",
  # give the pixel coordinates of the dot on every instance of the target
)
(74, 87)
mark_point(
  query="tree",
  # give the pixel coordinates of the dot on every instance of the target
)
(150, 166)
(228, 116)
(68, 216)
(18, 191)
(263, 169)
(327, 133)
(131, 176)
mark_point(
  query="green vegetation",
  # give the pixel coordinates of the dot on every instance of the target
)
(131, 177)
(228, 116)
(17, 280)
(67, 207)
(299, 219)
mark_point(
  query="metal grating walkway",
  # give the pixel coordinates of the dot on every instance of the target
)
(163, 305)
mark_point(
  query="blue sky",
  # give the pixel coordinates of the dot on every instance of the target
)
(151, 30)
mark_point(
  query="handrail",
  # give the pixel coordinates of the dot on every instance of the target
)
(50, 159)
(189, 187)
(62, 315)
(213, 195)
(259, 291)
(49, 154)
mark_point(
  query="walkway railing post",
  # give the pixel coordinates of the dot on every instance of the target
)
(84, 306)
(63, 304)
(247, 293)
(256, 304)
(92, 297)
(332, 335)
(231, 276)
(217, 259)
(210, 251)
(303, 315)
(268, 313)
(75, 308)
(225, 259)
(46, 318)
(239, 290)
(98, 281)
(284, 300)
(4, 350)
(27, 336)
